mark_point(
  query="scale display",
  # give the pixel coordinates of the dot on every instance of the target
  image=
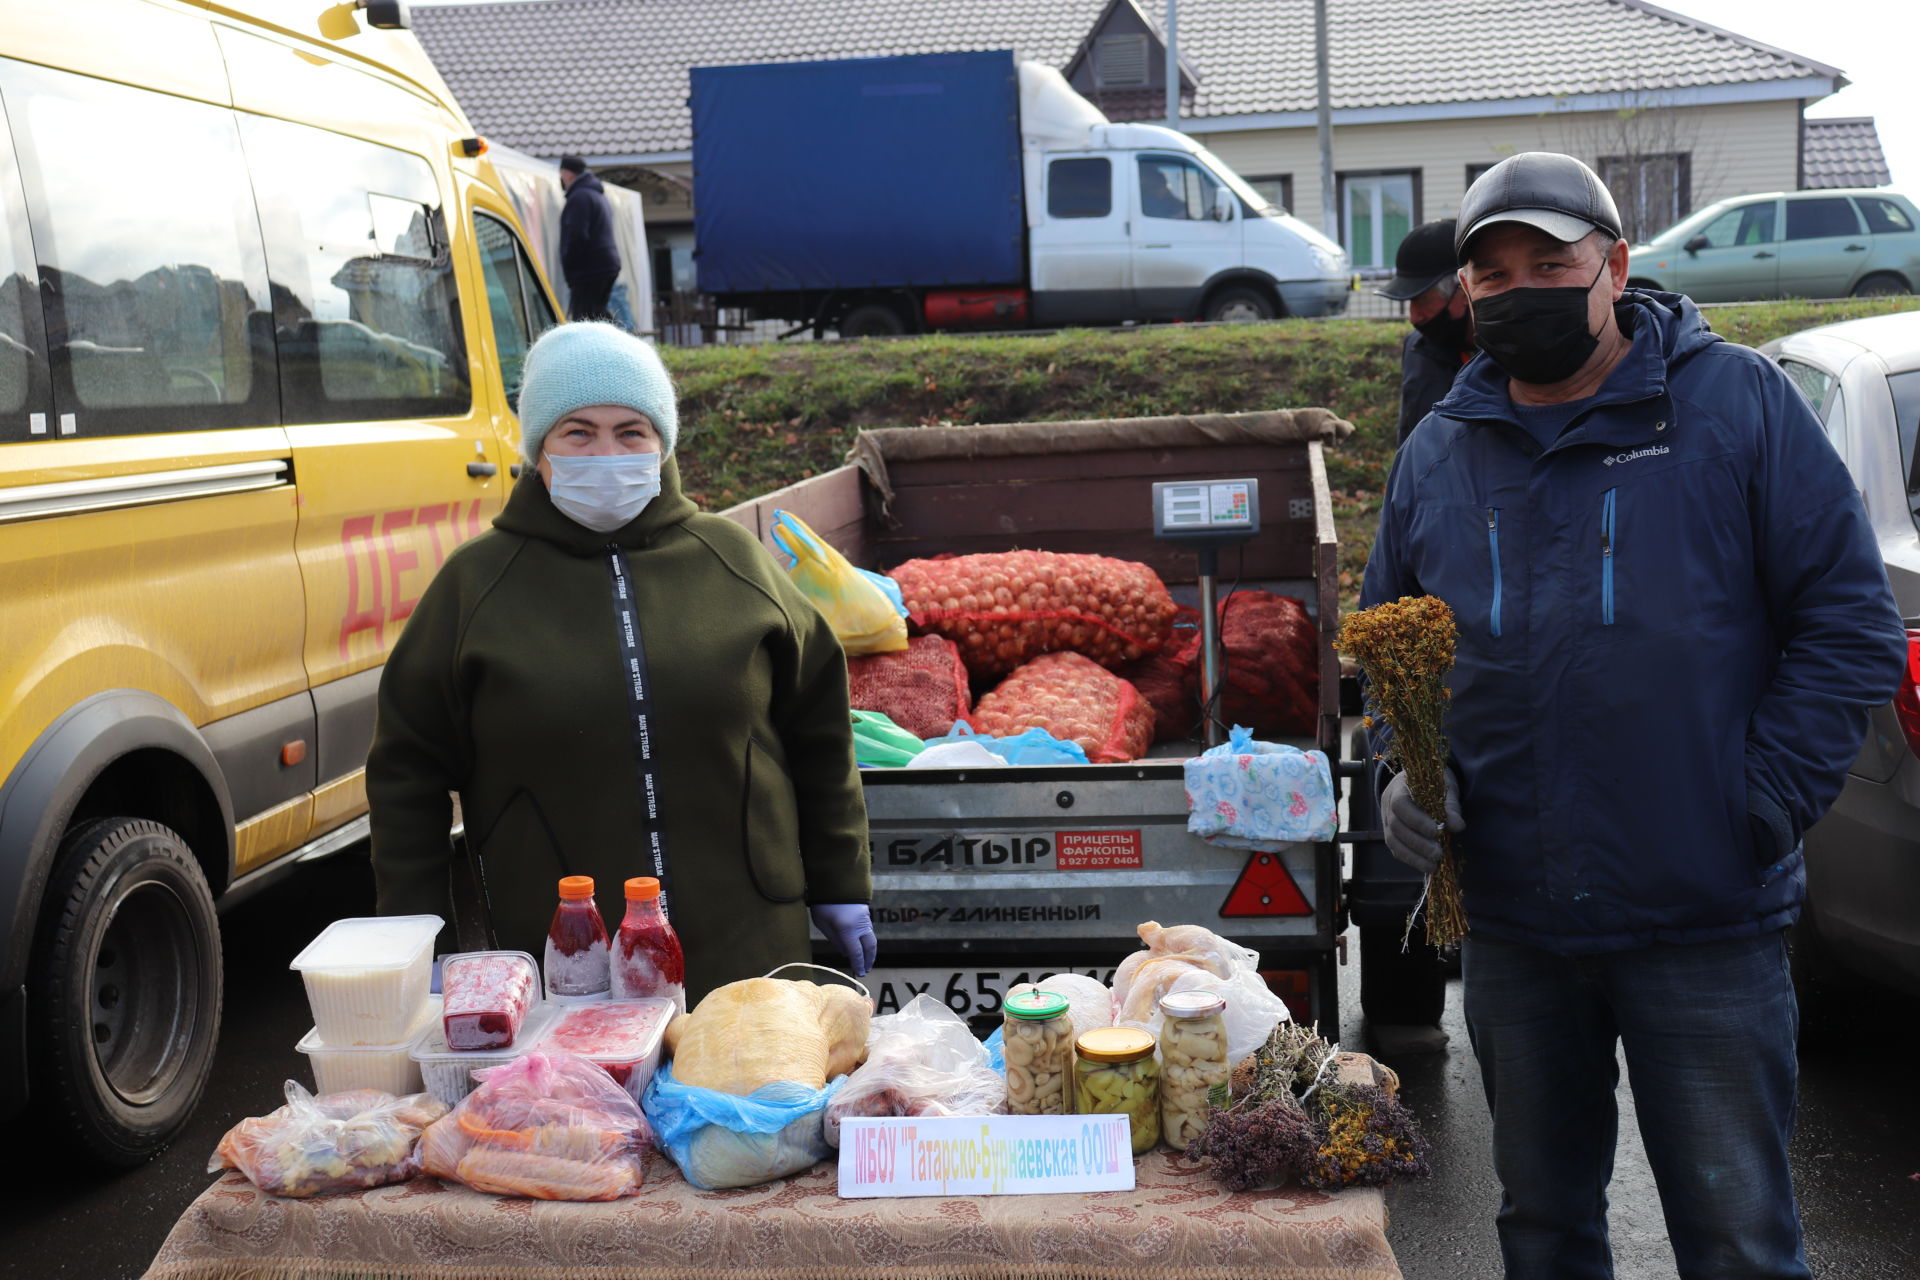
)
(1219, 511)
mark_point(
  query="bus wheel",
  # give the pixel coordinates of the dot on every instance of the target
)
(126, 988)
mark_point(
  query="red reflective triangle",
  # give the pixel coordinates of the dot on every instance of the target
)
(1265, 888)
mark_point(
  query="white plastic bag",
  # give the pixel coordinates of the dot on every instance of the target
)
(922, 1061)
(1189, 957)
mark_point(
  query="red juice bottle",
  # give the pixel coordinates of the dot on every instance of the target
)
(576, 959)
(647, 960)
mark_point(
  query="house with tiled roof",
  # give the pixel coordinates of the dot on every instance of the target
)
(1843, 152)
(1425, 94)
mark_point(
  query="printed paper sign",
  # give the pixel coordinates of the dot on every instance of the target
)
(1096, 850)
(984, 1155)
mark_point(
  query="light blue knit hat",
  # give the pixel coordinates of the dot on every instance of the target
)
(574, 366)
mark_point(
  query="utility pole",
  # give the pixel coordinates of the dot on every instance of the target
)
(1173, 65)
(1329, 202)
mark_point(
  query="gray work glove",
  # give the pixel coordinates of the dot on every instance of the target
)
(1412, 836)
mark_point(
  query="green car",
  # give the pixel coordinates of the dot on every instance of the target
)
(1787, 244)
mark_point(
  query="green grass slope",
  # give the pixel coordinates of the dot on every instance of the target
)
(756, 418)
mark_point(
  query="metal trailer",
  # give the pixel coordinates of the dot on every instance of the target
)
(991, 877)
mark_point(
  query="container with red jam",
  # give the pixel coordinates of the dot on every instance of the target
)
(487, 994)
(576, 959)
(647, 962)
(621, 1035)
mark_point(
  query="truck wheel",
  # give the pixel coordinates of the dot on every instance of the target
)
(1400, 988)
(1240, 304)
(1881, 284)
(126, 988)
(872, 320)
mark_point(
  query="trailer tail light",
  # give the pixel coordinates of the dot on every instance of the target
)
(1265, 888)
(959, 308)
(1295, 986)
(1906, 699)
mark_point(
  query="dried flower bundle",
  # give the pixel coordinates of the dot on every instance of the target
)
(1405, 646)
(1289, 1119)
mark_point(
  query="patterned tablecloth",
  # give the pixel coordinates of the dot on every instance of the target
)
(1177, 1222)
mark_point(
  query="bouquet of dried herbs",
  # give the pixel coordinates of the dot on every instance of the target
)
(1405, 646)
(1290, 1119)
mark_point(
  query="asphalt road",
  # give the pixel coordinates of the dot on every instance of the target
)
(1857, 1156)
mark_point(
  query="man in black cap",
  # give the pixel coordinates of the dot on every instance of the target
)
(1672, 622)
(1442, 340)
(589, 258)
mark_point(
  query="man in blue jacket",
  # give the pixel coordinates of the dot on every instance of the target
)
(589, 258)
(1673, 621)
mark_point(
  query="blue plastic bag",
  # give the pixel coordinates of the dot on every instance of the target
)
(1245, 794)
(723, 1140)
(1035, 746)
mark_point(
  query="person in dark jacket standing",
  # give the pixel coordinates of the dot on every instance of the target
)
(1673, 623)
(589, 258)
(607, 664)
(1441, 343)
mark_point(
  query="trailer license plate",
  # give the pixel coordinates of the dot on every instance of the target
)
(971, 993)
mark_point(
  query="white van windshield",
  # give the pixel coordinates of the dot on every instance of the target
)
(1236, 184)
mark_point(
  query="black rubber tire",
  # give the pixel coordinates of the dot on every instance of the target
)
(1240, 303)
(873, 320)
(1400, 989)
(1881, 284)
(125, 989)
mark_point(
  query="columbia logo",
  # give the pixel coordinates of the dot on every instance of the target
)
(1649, 452)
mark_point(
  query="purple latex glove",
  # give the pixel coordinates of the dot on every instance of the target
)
(849, 926)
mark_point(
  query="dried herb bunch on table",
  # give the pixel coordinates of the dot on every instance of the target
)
(1405, 646)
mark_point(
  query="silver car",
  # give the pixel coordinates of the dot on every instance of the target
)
(1787, 244)
(1863, 859)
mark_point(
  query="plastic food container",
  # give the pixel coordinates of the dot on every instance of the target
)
(448, 1073)
(487, 995)
(337, 1068)
(621, 1035)
(1114, 1073)
(367, 978)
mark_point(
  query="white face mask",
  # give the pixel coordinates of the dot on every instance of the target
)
(603, 493)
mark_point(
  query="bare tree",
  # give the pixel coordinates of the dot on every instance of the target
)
(1648, 152)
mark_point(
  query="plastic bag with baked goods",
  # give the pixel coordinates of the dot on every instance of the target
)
(544, 1126)
(336, 1142)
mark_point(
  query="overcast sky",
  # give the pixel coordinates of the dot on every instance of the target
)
(1872, 41)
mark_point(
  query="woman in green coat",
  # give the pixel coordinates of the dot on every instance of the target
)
(609, 676)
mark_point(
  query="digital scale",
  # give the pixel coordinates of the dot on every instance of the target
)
(1207, 515)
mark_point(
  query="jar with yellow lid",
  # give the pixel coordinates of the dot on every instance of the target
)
(1114, 1074)
(1193, 1063)
(1037, 1039)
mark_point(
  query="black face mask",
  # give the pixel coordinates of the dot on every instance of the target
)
(1453, 332)
(1536, 335)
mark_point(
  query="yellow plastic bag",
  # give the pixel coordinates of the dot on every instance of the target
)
(854, 606)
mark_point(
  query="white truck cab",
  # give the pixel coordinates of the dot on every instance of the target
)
(1140, 221)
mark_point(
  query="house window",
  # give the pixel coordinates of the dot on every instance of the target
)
(1121, 62)
(1275, 188)
(1475, 170)
(1376, 212)
(1652, 191)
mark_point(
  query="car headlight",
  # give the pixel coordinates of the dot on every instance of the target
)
(1330, 261)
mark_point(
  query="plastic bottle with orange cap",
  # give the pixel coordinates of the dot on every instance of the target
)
(576, 960)
(647, 959)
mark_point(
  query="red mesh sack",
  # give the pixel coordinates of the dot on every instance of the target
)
(1166, 680)
(1005, 607)
(1071, 697)
(923, 688)
(1271, 655)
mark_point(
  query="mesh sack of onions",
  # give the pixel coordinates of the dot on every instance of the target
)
(1166, 680)
(1272, 659)
(1003, 608)
(1071, 697)
(923, 688)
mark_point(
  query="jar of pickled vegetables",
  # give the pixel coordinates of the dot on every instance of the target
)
(1114, 1074)
(1193, 1063)
(1037, 1039)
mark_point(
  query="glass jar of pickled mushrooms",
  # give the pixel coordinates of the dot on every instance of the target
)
(1193, 1063)
(1037, 1039)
